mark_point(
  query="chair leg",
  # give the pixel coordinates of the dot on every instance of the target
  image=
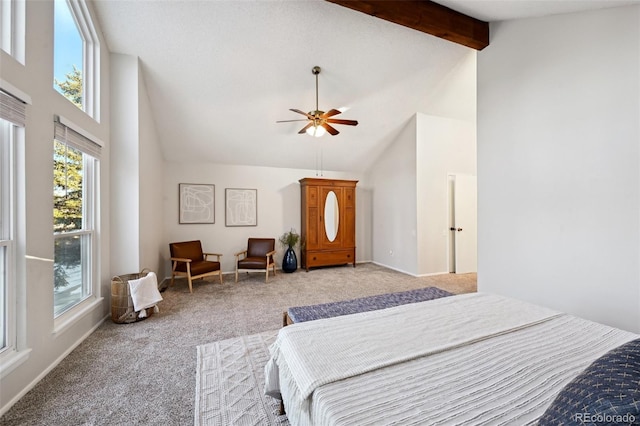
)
(172, 277)
(273, 265)
(190, 285)
(267, 275)
(220, 273)
(236, 272)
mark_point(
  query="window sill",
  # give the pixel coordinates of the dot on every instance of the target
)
(66, 320)
(13, 360)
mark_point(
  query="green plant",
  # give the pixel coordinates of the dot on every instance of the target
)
(290, 239)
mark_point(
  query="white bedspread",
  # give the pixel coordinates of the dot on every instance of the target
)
(318, 353)
(507, 380)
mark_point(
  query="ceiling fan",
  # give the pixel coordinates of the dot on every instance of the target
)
(320, 121)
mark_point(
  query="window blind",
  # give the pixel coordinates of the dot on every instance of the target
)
(12, 109)
(76, 140)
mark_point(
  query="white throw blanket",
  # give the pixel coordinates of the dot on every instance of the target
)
(320, 352)
(144, 293)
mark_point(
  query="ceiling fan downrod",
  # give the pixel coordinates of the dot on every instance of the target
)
(317, 113)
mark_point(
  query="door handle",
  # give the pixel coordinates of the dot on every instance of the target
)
(455, 229)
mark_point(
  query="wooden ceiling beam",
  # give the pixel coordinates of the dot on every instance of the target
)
(428, 17)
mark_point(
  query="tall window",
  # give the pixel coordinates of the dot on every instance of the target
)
(12, 26)
(76, 55)
(7, 242)
(12, 119)
(75, 159)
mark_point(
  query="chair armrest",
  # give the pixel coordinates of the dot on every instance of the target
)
(212, 254)
(175, 261)
(271, 253)
(240, 253)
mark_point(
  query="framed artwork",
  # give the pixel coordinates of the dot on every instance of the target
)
(197, 203)
(241, 207)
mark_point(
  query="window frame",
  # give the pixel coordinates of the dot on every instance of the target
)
(90, 225)
(13, 116)
(90, 57)
(12, 20)
(7, 234)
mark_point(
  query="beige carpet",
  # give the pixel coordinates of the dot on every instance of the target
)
(144, 373)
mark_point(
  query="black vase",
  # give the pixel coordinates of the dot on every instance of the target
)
(289, 261)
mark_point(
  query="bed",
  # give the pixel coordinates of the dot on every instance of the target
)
(466, 359)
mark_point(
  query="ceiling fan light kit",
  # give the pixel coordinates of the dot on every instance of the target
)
(316, 131)
(320, 121)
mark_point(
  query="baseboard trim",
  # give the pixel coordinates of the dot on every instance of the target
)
(393, 268)
(433, 274)
(164, 284)
(409, 273)
(51, 366)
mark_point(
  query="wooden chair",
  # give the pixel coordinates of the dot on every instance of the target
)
(258, 255)
(189, 261)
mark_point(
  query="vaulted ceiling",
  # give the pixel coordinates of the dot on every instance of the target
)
(219, 74)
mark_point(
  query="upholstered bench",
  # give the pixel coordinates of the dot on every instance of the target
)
(364, 304)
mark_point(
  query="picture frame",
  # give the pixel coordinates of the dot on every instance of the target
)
(241, 207)
(196, 203)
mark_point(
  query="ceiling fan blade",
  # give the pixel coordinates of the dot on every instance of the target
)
(330, 129)
(339, 121)
(289, 121)
(309, 116)
(330, 113)
(304, 129)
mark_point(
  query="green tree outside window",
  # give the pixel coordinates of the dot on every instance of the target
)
(67, 190)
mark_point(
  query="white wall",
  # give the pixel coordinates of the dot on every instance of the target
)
(409, 179)
(445, 146)
(35, 78)
(559, 163)
(393, 181)
(151, 191)
(278, 208)
(125, 165)
(455, 96)
(136, 173)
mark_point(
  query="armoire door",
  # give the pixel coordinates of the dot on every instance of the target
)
(348, 213)
(311, 218)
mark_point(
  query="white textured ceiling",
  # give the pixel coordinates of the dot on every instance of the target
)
(220, 73)
(500, 10)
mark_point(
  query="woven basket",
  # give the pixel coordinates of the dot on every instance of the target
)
(122, 311)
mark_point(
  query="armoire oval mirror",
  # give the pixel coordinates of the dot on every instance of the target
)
(331, 216)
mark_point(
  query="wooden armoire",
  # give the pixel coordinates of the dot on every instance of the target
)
(328, 222)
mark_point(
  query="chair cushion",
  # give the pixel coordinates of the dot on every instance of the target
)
(258, 247)
(253, 263)
(199, 267)
(187, 250)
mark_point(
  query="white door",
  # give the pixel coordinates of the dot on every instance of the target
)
(465, 205)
